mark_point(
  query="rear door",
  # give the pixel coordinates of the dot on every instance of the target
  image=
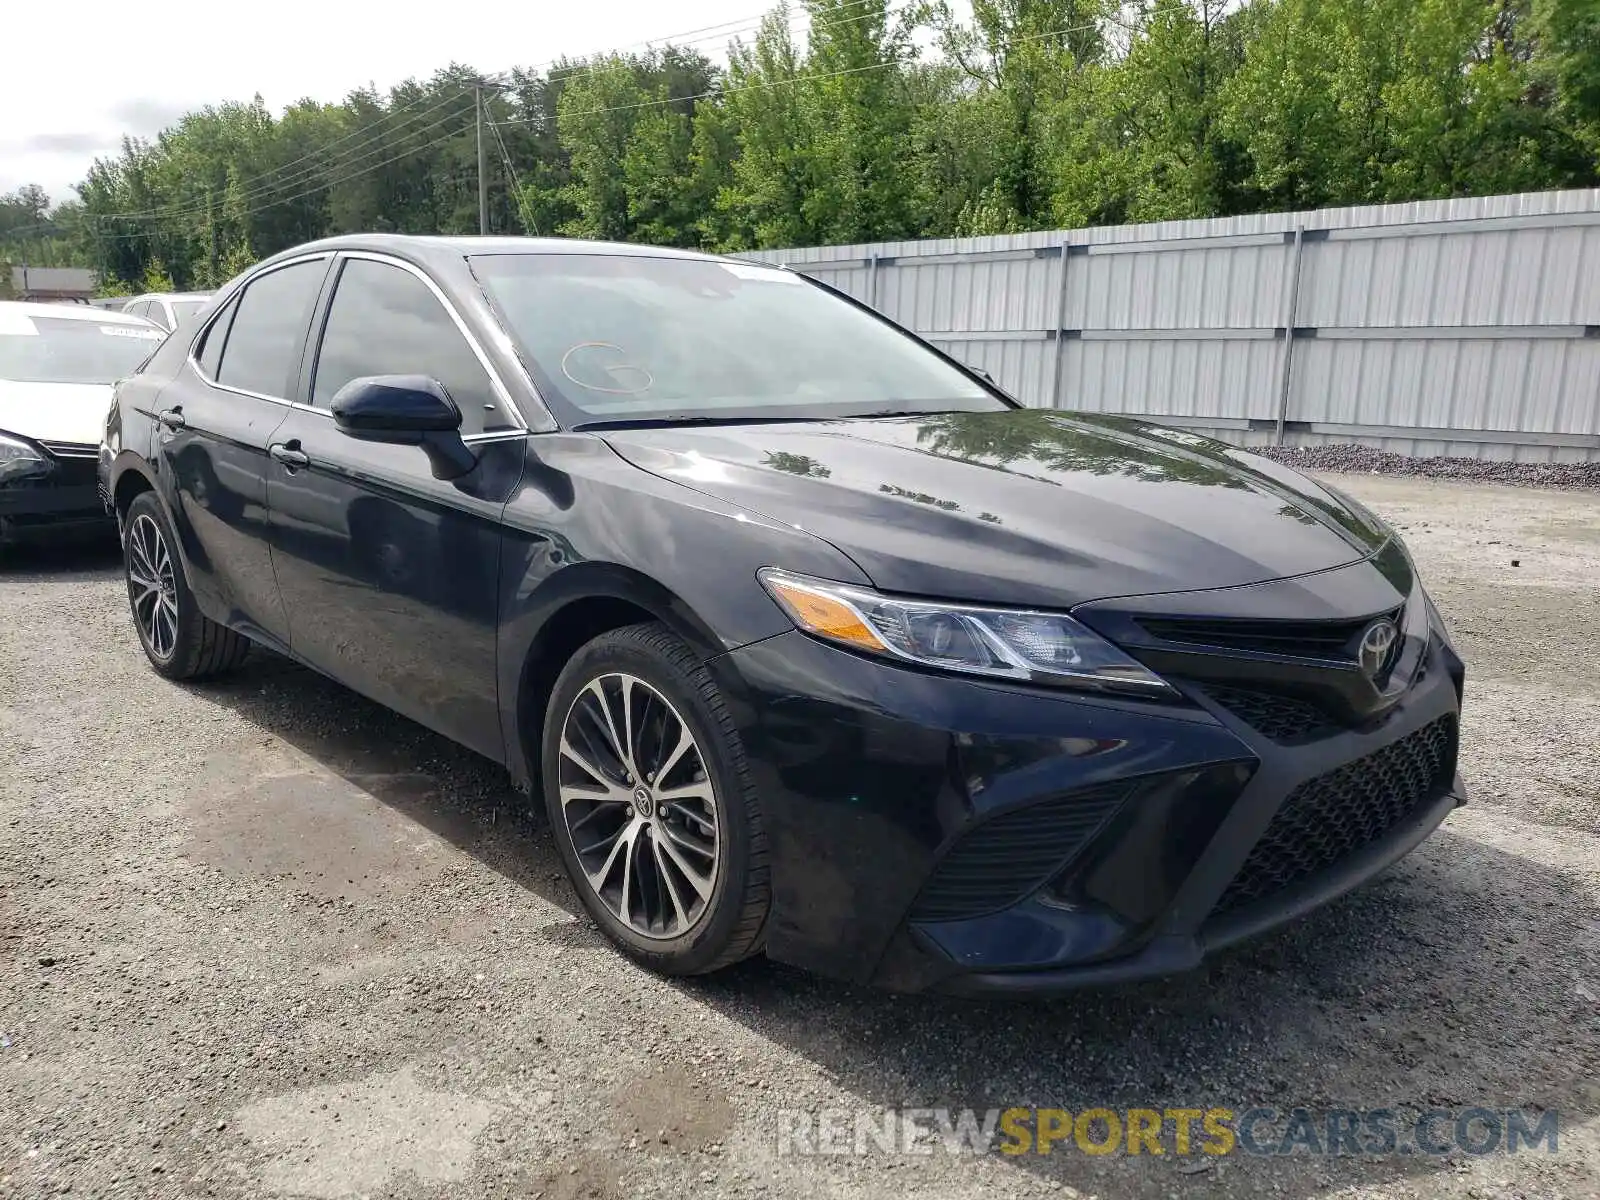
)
(215, 424)
(390, 576)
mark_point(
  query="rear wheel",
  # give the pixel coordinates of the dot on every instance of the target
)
(180, 641)
(651, 803)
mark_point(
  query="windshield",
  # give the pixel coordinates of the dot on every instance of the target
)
(182, 310)
(36, 349)
(622, 338)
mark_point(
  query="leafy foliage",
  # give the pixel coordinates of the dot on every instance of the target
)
(866, 120)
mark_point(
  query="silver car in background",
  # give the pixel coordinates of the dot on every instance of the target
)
(167, 309)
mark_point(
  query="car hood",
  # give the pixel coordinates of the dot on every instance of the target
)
(1022, 507)
(55, 412)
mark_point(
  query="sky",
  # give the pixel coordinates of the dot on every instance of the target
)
(69, 93)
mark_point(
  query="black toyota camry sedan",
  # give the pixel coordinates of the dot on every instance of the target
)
(813, 641)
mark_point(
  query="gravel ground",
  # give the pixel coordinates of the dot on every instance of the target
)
(264, 938)
(1350, 458)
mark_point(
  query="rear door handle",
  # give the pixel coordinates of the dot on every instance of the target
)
(289, 454)
(172, 418)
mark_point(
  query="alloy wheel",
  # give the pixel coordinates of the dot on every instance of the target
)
(639, 806)
(152, 586)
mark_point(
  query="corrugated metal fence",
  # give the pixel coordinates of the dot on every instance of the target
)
(1467, 327)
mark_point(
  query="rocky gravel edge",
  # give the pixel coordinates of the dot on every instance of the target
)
(1369, 460)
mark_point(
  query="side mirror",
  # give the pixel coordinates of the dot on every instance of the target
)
(405, 410)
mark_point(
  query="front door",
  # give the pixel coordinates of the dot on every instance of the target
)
(215, 423)
(390, 576)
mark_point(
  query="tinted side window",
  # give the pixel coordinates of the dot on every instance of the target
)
(209, 353)
(386, 321)
(263, 350)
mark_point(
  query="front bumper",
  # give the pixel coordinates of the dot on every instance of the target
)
(894, 803)
(63, 503)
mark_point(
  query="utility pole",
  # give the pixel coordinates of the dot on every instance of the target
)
(483, 177)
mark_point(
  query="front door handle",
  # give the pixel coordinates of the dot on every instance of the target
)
(172, 418)
(289, 454)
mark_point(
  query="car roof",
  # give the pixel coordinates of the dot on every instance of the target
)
(171, 296)
(423, 248)
(72, 312)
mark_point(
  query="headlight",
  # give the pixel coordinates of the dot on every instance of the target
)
(19, 460)
(1035, 647)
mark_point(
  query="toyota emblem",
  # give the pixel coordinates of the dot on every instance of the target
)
(1378, 641)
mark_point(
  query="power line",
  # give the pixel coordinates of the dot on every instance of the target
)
(721, 91)
(529, 225)
(375, 139)
(187, 211)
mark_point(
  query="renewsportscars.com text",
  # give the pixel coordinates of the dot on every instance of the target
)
(1177, 1131)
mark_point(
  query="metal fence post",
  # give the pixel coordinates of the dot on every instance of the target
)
(1286, 365)
(1053, 400)
(872, 281)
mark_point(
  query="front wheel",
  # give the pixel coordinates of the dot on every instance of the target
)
(180, 641)
(651, 803)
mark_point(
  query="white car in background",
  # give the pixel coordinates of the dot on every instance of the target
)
(57, 366)
(166, 309)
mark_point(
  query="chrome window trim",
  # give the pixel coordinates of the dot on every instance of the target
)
(502, 393)
(194, 363)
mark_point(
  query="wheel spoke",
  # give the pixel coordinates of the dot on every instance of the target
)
(601, 808)
(699, 790)
(164, 633)
(708, 828)
(623, 840)
(627, 726)
(618, 747)
(700, 883)
(146, 567)
(588, 768)
(685, 744)
(678, 912)
(625, 896)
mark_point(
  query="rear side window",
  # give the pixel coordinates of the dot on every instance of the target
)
(386, 321)
(209, 353)
(263, 350)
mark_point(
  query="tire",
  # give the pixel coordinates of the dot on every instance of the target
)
(180, 641)
(686, 915)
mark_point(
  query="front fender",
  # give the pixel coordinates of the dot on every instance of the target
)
(587, 526)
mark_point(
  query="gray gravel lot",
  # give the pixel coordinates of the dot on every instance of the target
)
(263, 938)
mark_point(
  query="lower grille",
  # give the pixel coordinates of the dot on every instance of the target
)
(1008, 856)
(1328, 818)
(76, 472)
(1281, 718)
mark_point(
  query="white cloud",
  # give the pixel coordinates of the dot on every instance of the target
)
(77, 80)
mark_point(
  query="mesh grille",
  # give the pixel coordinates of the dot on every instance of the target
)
(1281, 718)
(1008, 856)
(1328, 818)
